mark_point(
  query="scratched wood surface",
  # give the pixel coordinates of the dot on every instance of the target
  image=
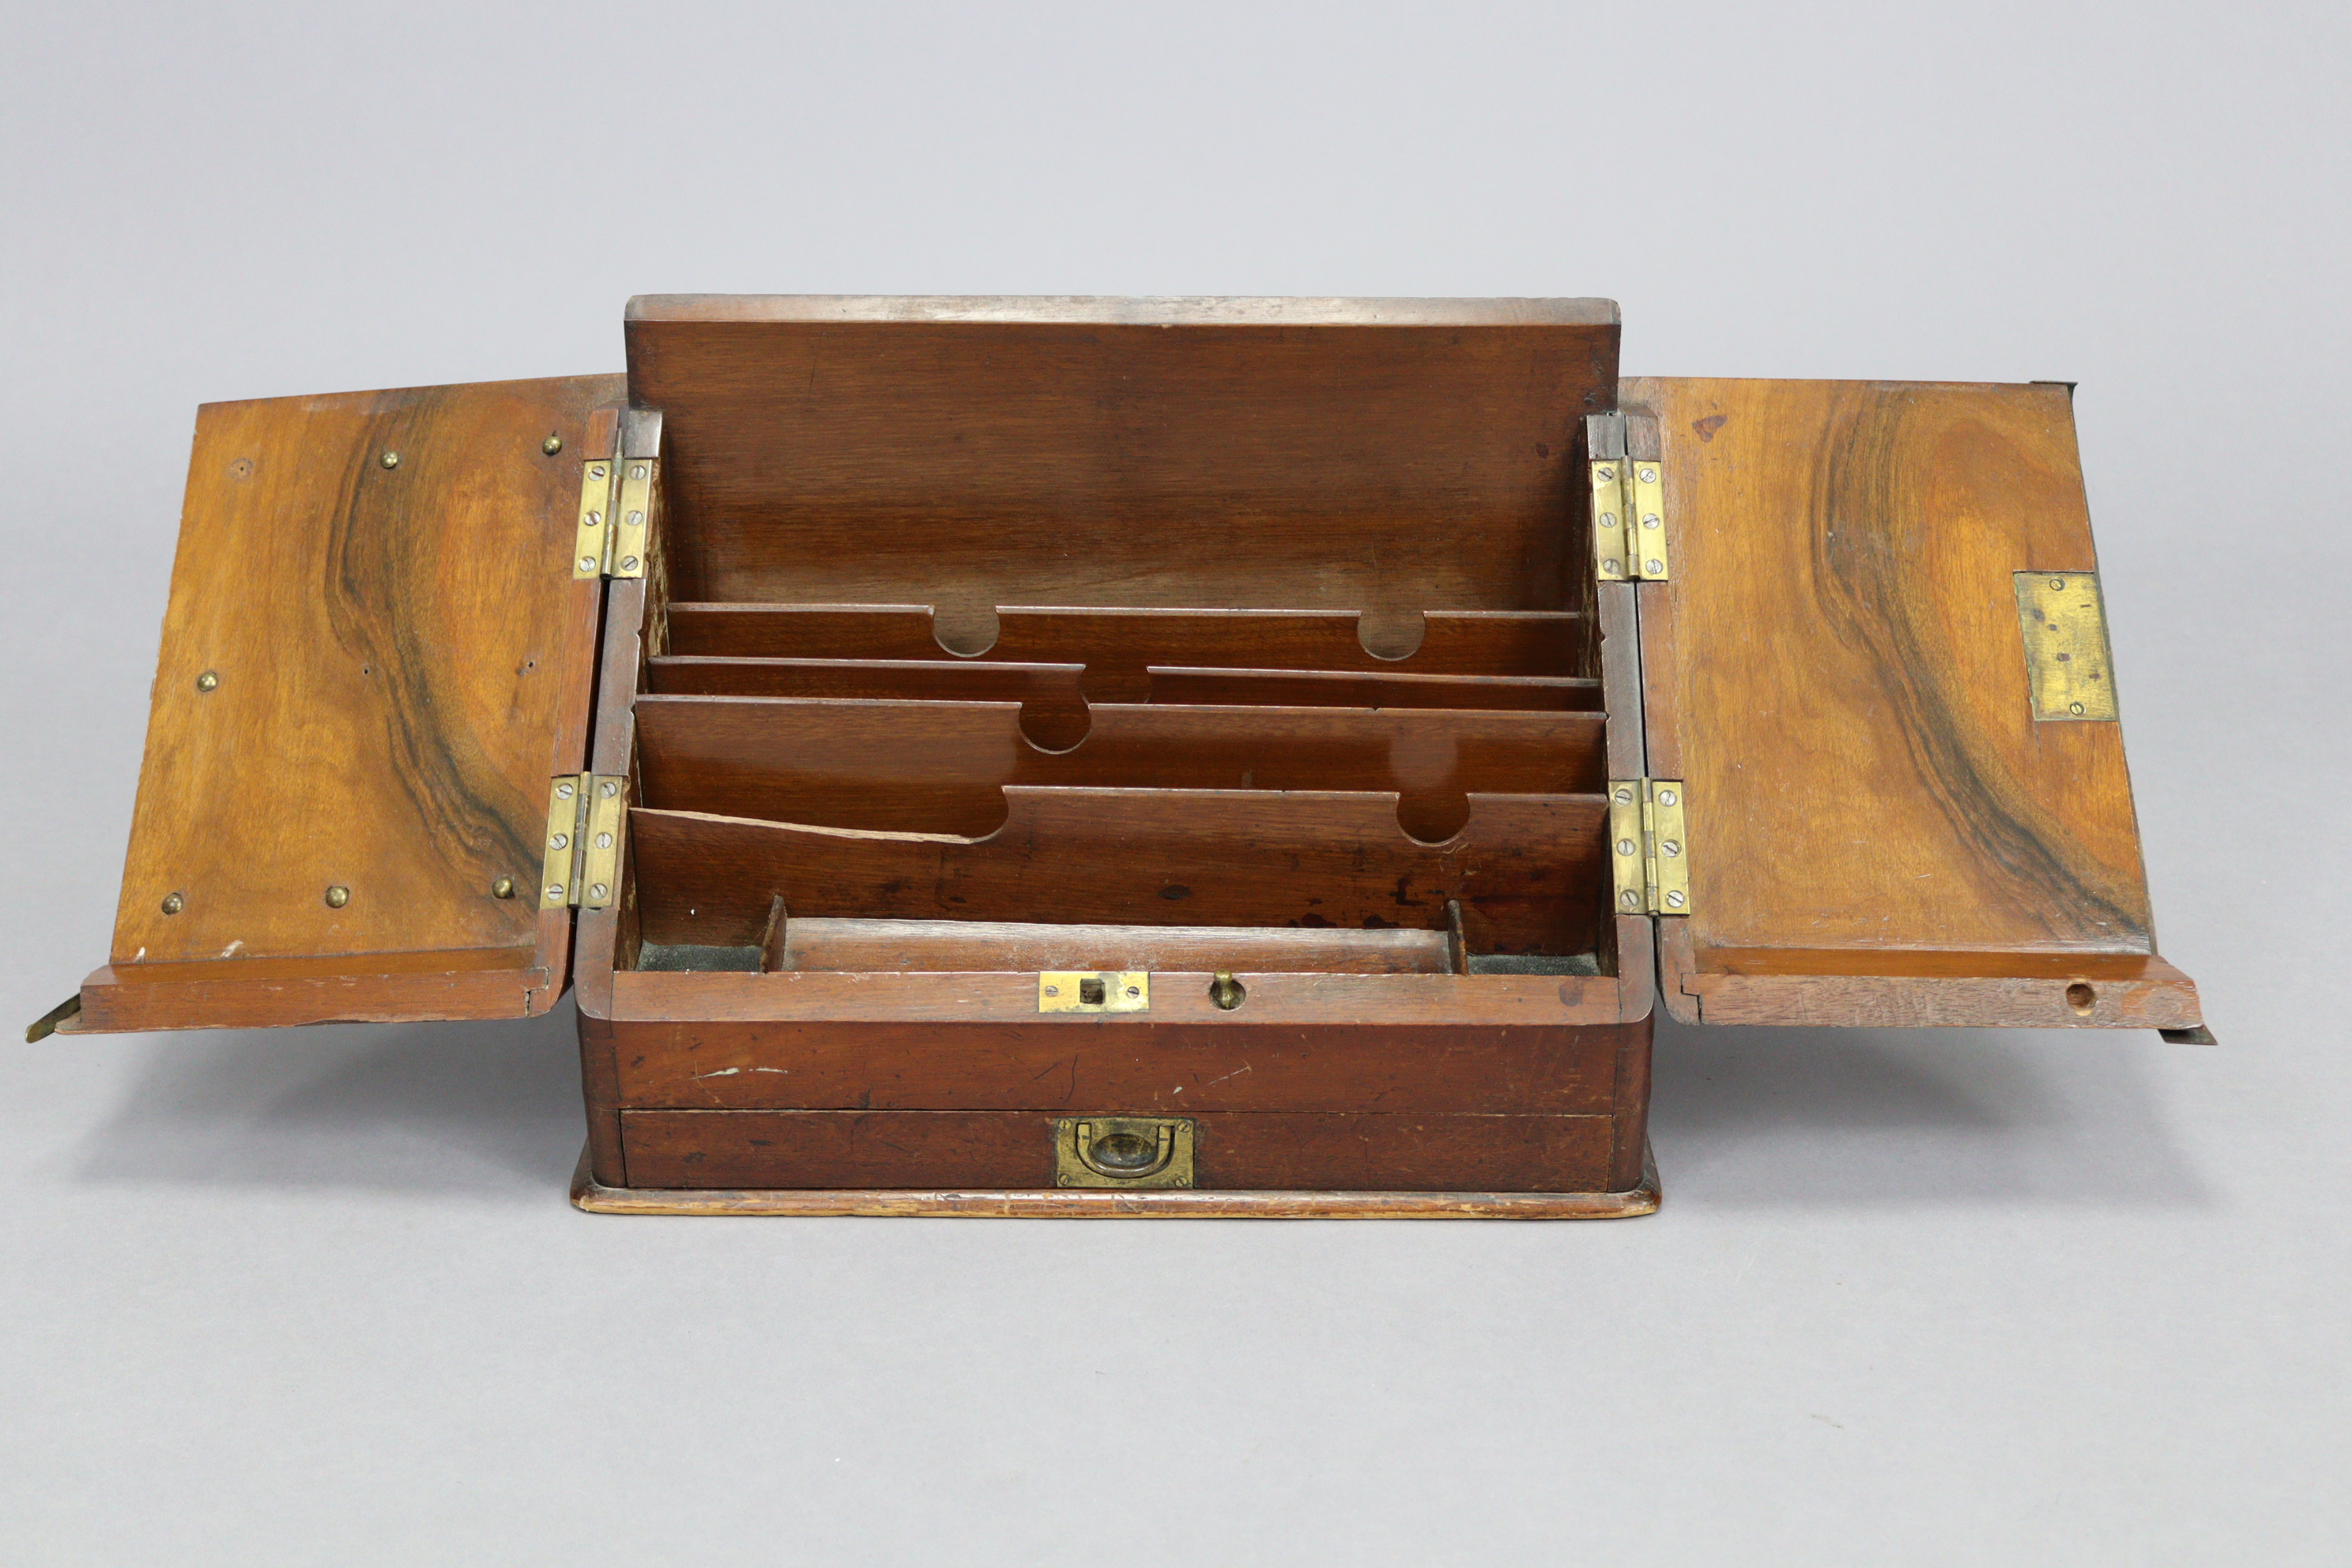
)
(1525, 869)
(1309, 458)
(941, 767)
(398, 661)
(1840, 679)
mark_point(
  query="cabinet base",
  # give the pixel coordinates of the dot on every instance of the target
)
(1160, 1203)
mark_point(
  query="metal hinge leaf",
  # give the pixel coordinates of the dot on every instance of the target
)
(616, 502)
(1629, 520)
(1649, 848)
(585, 814)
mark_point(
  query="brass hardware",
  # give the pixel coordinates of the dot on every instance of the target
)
(1608, 518)
(391, 459)
(1227, 991)
(1645, 518)
(629, 512)
(174, 903)
(602, 853)
(592, 538)
(585, 812)
(337, 896)
(208, 681)
(1649, 850)
(552, 446)
(1628, 521)
(42, 1028)
(503, 888)
(1123, 1152)
(2063, 621)
(1104, 991)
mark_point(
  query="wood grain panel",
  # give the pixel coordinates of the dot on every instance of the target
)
(1412, 1151)
(1845, 683)
(960, 946)
(1299, 688)
(1314, 1045)
(1326, 459)
(399, 661)
(1528, 870)
(1119, 646)
(941, 767)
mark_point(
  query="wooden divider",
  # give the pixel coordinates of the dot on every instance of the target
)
(1528, 870)
(941, 767)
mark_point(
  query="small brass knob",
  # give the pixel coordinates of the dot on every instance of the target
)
(1226, 991)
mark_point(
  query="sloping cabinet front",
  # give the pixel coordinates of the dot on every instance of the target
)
(374, 660)
(1890, 821)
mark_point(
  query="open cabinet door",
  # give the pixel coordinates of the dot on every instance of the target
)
(1878, 667)
(375, 660)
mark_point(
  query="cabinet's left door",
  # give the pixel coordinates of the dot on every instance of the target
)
(375, 660)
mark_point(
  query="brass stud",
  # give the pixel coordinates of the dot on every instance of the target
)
(208, 681)
(552, 446)
(337, 896)
(391, 459)
(174, 903)
(504, 887)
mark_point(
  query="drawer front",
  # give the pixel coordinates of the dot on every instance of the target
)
(1236, 1152)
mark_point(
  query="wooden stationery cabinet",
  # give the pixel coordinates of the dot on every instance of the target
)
(1079, 756)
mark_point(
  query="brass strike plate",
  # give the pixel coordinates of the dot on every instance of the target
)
(1103, 991)
(1123, 1152)
(2065, 623)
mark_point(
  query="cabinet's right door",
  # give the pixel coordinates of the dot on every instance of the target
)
(1880, 668)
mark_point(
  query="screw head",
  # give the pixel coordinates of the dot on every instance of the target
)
(337, 896)
(1671, 846)
(174, 903)
(555, 892)
(1656, 567)
(2074, 707)
(1649, 520)
(1604, 473)
(1625, 796)
(552, 446)
(564, 792)
(1649, 476)
(595, 520)
(608, 789)
(1608, 520)
(1630, 899)
(636, 470)
(2058, 585)
(560, 841)
(604, 841)
(599, 890)
(1625, 847)
(1134, 990)
(1673, 900)
(597, 472)
(391, 459)
(504, 887)
(1611, 568)
(1052, 991)
(208, 681)
(1666, 797)
(628, 564)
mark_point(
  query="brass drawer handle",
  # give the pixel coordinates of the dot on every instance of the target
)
(1123, 1152)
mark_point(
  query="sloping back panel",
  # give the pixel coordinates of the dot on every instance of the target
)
(1304, 454)
(375, 658)
(1880, 829)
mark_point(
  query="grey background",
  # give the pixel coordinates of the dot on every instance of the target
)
(1922, 1298)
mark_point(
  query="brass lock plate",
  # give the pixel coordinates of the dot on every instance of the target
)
(1123, 1152)
(1094, 991)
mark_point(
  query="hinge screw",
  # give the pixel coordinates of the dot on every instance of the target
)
(598, 891)
(1671, 848)
(1625, 847)
(1630, 899)
(552, 446)
(1666, 797)
(587, 564)
(2074, 707)
(561, 841)
(337, 896)
(1673, 900)
(628, 564)
(504, 887)
(1656, 567)
(608, 789)
(555, 892)
(1604, 473)
(1649, 476)
(391, 459)
(207, 681)
(564, 792)
(174, 903)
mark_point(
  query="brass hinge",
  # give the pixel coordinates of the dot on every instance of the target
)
(1629, 520)
(1648, 850)
(582, 864)
(615, 494)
